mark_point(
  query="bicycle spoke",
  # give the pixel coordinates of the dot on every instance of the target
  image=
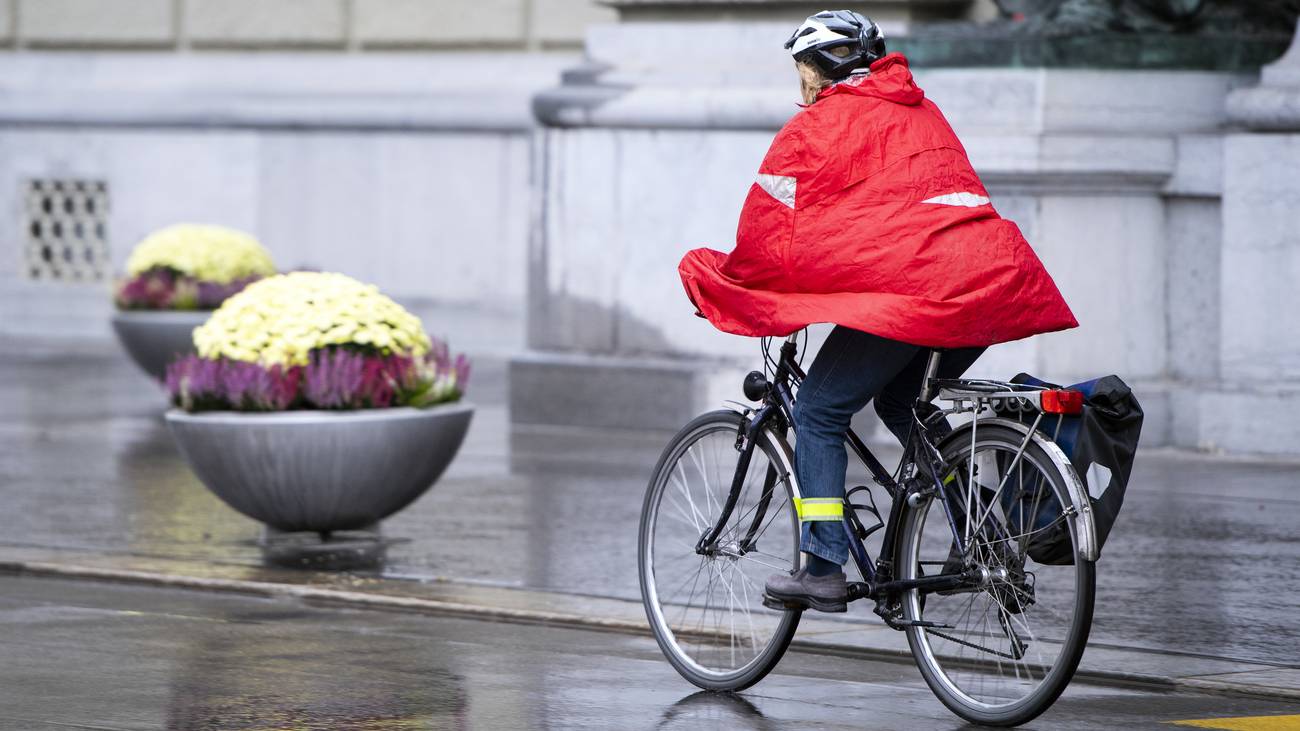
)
(1014, 462)
(684, 516)
(1033, 512)
(749, 617)
(781, 510)
(696, 515)
(765, 553)
(777, 567)
(692, 577)
(686, 607)
(698, 461)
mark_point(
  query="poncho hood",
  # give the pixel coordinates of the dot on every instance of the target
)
(890, 79)
(867, 213)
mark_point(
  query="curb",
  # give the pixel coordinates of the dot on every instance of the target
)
(1211, 684)
(334, 597)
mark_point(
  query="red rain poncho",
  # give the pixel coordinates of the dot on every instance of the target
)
(867, 214)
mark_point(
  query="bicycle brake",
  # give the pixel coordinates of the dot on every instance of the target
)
(918, 492)
(740, 430)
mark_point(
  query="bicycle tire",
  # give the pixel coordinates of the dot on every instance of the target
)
(718, 426)
(937, 668)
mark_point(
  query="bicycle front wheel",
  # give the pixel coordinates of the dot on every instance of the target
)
(705, 609)
(999, 653)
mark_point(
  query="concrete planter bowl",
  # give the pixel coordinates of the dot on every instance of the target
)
(153, 338)
(321, 471)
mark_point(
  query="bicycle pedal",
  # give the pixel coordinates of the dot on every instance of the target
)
(781, 605)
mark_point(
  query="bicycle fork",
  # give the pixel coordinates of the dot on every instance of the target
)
(746, 438)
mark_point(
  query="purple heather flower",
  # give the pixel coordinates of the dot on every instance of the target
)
(165, 289)
(343, 379)
(198, 384)
(332, 379)
(151, 290)
(212, 294)
(439, 355)
(377, 379)
(462, 372)
(195, 383)
(431, 379)
(238, 382)
(337, 378)
(254, 387)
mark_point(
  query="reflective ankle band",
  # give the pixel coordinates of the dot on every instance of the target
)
(819, 508)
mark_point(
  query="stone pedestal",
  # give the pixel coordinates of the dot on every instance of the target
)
(1115, 176)
(1256, 404)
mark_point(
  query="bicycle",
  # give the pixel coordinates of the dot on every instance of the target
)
(996, 635)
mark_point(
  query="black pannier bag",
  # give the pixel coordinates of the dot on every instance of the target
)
(1100, 443)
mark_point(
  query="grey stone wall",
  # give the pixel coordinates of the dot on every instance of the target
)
(356, 25)
(399, 169)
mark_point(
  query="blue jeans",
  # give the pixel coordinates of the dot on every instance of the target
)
(851, 369)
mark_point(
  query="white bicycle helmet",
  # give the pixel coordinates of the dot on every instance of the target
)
(837, 42)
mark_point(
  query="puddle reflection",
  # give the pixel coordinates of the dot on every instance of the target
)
(713, 710)
(250, 680)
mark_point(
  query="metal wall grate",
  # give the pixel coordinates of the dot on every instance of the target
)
(67, 230)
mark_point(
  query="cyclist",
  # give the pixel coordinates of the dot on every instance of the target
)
(867, 214)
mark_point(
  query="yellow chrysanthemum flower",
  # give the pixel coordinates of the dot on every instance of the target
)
(207, 253)
(282, 319)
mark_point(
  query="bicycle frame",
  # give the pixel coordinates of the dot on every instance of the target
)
(777, 412)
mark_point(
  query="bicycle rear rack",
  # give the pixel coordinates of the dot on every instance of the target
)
(972, 395)
(1012, 399)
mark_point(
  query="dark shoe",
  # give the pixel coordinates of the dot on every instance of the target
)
(801, 591)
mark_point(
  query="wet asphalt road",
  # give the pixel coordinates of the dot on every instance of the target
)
(103, 656)
(1205, 558)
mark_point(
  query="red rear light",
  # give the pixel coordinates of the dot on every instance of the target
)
(1062, 402)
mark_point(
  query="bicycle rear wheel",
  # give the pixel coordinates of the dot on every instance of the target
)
(706, 611)
(1003, 652)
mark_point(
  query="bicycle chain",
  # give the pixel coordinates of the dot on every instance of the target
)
(972, 645)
